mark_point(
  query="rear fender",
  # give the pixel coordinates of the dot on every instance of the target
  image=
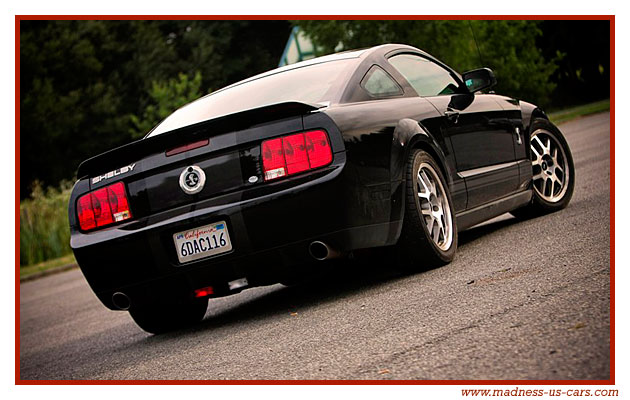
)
(408, 136)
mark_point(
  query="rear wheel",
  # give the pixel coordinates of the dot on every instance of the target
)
(429, 234)
(553, 172)
(169, 317)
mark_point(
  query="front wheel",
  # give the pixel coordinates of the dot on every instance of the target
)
(163, 318)
(429, 234)
(553, 173)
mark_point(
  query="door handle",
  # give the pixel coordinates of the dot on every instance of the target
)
(452, 115)
(517, 132)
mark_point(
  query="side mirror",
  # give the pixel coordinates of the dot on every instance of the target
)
(479, 79)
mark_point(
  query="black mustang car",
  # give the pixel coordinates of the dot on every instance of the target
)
(254, 183)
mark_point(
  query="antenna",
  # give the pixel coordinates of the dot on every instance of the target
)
(476, 44)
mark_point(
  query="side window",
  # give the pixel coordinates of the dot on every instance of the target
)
(425, 76)
(378, 83)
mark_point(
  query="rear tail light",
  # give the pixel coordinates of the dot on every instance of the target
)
(103, 207)
(319, 153)
(296, 153)
(274, 165)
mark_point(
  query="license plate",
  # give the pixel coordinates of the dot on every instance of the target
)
(205, 241)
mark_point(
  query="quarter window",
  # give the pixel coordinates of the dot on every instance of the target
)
(378, 83)
(425, 76)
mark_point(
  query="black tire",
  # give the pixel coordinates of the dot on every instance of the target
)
(416, 248)
(169, 317)
(543, 199)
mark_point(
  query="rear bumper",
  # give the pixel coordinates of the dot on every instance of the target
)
(270, 235)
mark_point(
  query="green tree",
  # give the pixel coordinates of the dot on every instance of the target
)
(166, 97)
(81, 81)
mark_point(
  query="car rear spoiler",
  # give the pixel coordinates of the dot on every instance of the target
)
(139, 149)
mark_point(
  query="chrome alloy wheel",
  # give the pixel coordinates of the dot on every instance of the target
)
(550, 166)
(435, 209)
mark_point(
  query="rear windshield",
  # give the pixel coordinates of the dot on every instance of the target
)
(316, 83)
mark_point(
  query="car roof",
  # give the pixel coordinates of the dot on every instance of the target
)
(356, 61)
(344, 55)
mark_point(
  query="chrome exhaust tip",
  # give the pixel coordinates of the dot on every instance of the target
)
(121, 301)
(321, 251)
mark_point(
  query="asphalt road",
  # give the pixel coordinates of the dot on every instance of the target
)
(522, 300)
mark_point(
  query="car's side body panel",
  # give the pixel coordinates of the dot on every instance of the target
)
(491, 162)
(378, 136)
(482, 141)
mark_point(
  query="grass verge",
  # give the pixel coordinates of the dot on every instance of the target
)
(579, 111)
(49, 266)
(44, 229)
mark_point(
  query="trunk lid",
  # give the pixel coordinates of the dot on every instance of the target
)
(230, 160)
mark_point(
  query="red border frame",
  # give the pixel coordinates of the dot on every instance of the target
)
(610, 381)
